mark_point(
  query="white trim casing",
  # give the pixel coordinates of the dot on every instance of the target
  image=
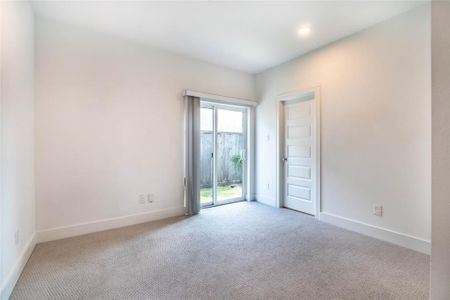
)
(384, 234)
(313, 93)
(221, 99)
(11, 278)
(251, 125)
(106, 224)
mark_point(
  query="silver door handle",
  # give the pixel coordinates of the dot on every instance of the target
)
(285, 159)
(244, 155)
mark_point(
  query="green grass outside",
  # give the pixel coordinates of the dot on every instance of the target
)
(223, 193)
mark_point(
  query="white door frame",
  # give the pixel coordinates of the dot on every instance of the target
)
(247, 184)
(313, 93)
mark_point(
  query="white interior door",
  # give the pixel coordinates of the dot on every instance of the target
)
(300, 186)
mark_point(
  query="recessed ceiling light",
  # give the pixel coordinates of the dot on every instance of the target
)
(304, 31)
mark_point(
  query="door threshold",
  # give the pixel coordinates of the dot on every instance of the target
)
(221, 204)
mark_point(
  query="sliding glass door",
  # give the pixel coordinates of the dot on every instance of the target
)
(223, 153)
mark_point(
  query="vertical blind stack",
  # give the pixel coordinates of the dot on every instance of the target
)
(192, 152)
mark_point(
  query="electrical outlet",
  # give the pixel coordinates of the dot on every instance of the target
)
(16, 237)
(150, 198)
(141, 199)
(378, 210)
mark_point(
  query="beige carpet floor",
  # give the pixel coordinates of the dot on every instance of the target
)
(237, 251)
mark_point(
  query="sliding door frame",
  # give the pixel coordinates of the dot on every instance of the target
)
(215, 106)
(250, 105)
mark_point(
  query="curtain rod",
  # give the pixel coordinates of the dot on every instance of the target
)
(220, 98)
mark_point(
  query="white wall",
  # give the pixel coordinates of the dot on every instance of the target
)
(440, 256)
(17, 207)
(109, 123)
(375, 88)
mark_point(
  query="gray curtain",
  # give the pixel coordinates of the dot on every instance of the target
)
(192, 152)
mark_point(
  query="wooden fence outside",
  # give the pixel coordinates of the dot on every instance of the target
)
(229, 144)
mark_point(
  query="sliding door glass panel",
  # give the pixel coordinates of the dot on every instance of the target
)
(206, 156)
(230, 145)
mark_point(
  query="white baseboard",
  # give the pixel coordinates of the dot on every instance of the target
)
(106, 224)
(384, 234)
(11, 278)
(265, 199)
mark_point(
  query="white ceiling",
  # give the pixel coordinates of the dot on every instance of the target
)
(248, 36)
